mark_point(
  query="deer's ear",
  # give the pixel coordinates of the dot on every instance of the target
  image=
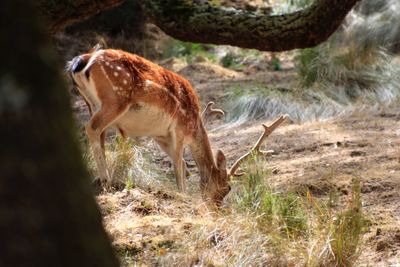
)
(221, 160)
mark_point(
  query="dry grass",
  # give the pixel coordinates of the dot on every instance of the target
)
(258, 226)
(306, 213)
(129, 165)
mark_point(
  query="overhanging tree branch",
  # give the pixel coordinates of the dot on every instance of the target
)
(62, 13)
(188, 20)
(204, 23)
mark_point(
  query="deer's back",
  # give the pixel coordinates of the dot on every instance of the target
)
(154, 94)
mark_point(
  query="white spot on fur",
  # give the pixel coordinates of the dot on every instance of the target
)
(118, 68)
(107, 63)
(148, 84)
(115, 74)
(125, 81)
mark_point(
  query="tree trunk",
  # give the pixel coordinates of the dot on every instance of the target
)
(205, 23)
(48, 216)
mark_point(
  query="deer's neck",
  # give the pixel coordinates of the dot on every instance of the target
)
(203, 155)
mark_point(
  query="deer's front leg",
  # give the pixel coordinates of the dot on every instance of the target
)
(95, 130)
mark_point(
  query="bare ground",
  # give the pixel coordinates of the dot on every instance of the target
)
(321, 156)
(159, 226)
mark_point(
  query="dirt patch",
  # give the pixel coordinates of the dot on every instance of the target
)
(174, 64)
(203, 71)
(156, 226)
(387, 240)
(324, 156)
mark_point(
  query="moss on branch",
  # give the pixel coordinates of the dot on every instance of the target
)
(203, 22)
(207, 23)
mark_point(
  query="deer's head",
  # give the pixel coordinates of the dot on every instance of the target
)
(220, 177)
(219, 186)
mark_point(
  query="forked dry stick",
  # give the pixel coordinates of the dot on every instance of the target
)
(256, 148)
(209, 111)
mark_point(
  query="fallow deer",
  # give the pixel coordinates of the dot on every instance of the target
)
(141, 98)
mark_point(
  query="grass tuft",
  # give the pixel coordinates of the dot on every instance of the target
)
(352, 66)
(348, 228)
(129, 165)
(120, 157)
(314, 232)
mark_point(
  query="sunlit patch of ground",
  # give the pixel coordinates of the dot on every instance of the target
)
(165, 227)
(152, 224)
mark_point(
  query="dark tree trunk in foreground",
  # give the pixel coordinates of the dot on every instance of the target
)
(48, 216)
(205, 23)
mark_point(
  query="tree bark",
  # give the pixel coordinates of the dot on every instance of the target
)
(187, 20)
(48, 216)
(205, 23)
(62, 13)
